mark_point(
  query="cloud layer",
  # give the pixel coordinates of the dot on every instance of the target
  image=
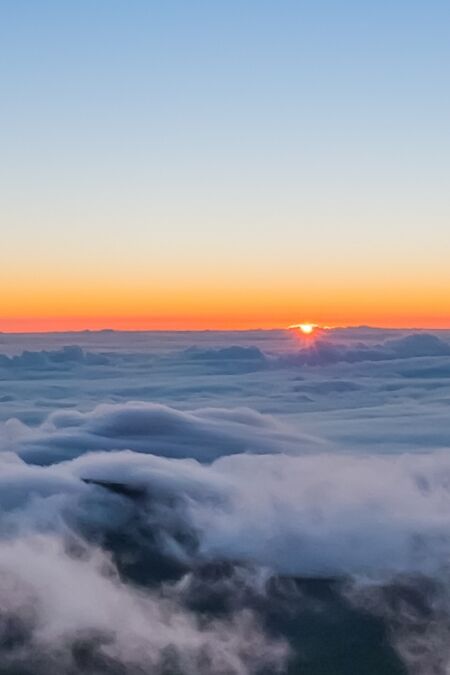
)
(259, 487)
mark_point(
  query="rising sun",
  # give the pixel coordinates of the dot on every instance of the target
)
(305, 328)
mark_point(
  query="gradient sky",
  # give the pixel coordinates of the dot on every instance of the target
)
(187, 164)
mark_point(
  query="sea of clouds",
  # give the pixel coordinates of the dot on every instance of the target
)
(226, 503)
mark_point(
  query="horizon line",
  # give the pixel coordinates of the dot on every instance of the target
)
(221, 330)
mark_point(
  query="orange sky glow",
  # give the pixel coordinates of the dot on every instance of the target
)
(221, 308)
(224, 300)
(245, 320)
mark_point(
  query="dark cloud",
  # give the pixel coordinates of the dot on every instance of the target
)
(232, 359)
(323, 352)
(69, 355)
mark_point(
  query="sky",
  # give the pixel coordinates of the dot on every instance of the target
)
(224, 164)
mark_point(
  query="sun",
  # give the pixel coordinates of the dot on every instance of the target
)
(305, 328)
